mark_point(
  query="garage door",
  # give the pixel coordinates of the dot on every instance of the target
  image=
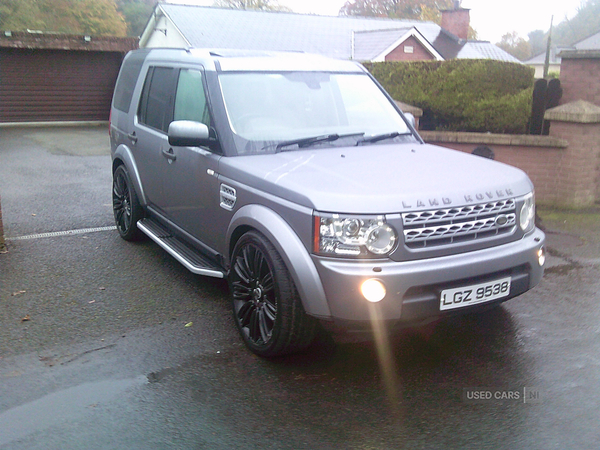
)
(56, 85)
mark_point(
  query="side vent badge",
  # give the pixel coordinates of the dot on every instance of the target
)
(228, 197)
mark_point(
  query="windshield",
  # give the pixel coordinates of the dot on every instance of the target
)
(267, 111)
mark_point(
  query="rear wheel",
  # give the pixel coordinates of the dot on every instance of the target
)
(266, 306)
(126, 206)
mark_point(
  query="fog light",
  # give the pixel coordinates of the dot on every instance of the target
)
(541, 256)
(373, 290)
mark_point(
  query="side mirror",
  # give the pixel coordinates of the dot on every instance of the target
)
(411, 119)
(186, 133)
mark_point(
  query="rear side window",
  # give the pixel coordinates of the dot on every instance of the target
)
(130, 70)
(155, 107)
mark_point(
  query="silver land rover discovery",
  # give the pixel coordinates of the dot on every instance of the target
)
(297, 178)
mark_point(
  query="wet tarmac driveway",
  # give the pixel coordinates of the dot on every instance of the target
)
(106, 344)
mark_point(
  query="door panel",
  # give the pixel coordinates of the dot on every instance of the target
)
(191, 189)
(149, 138)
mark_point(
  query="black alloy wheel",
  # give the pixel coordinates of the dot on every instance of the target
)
(266, 306)
(126, 207)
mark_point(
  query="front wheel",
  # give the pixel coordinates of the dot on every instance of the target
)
(126, 206)
(266, 306)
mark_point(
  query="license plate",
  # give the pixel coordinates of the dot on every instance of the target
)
(472, 295)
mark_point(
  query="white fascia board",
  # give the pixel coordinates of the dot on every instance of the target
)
(150, 26)
(418, 36)
(161, 31)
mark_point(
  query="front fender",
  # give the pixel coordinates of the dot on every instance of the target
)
(291, 249)
(123, 153)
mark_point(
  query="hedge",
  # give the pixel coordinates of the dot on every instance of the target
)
(462, 94)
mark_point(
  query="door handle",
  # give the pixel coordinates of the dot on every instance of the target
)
(169, 155)
(132, 137)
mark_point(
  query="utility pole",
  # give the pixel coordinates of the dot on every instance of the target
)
(547, 61)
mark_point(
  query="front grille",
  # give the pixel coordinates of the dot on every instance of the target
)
(424, 229)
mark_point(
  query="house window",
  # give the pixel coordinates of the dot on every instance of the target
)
(409, 49)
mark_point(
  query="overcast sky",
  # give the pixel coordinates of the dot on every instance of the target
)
(491, 18)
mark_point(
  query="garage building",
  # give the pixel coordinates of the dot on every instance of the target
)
(48, 77)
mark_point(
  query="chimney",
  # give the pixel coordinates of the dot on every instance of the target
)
(456, 20)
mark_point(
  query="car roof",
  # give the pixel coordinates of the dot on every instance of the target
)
(228, 60)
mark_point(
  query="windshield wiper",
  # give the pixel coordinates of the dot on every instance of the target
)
(381, 137)
(307, 142)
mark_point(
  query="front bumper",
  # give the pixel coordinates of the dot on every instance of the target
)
(413, 287)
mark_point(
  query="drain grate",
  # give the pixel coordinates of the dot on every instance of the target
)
(60, 233)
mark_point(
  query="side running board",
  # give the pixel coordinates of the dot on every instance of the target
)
(189, 257)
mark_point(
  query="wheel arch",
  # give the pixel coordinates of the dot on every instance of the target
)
(123, 156)
(289, 246)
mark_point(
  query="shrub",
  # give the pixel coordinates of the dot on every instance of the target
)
(462, 95)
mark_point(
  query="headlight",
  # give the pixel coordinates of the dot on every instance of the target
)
(527, 215)
(353, 236)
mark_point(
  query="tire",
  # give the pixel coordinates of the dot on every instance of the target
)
(267, 309)
(126, 206)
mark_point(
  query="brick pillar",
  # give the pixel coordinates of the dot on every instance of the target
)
(577, 175)
(2, 245)
(579, 76)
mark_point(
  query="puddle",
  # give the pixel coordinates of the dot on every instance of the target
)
(58, 407)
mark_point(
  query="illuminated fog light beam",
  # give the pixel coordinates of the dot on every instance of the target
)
(387, 363)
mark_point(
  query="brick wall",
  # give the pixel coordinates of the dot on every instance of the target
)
(419, 52)
(580, 76)
(540, 157)
(564, 167)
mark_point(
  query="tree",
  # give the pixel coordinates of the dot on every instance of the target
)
(395, 9)
(537, 42)
(262, 5)
(97, 17)
(136, 14)
(584, 24)
(515, 45)
(426, 10)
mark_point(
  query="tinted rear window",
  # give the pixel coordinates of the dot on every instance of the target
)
(156, 105)
(128, 76)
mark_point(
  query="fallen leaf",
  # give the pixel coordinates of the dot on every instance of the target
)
(189, 324)
(26, 318)
(14, 294)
